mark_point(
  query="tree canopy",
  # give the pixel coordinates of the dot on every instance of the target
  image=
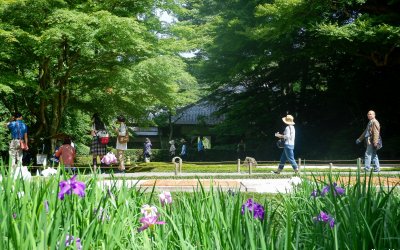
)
(327, 63)
(60, 60)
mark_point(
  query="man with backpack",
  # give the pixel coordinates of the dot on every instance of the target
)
(19, 141)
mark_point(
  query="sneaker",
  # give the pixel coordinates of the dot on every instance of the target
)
(296, 171)
(377, 170)
(276, 172)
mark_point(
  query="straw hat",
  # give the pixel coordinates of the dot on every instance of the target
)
(288, 120)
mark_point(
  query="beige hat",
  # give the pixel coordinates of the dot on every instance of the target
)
(288, 120)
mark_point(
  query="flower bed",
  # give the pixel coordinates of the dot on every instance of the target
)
(68, 212)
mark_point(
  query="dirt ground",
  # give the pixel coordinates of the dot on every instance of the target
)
(376, 180)
(192, 183)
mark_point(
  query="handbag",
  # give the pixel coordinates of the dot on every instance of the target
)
(124, 138)
(104, 137)
(280, 143)
(22, 145)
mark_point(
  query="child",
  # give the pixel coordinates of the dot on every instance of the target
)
(67, 153)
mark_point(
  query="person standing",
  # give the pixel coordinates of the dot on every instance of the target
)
(183, 150)
(289, 136)
(200, 148)
(121, 146)
(147, 150)
(67, 154)
(172, 148)
(97, 148)
(371, 136)
(19, 134)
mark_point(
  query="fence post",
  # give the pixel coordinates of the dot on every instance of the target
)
(359, 164)
(330, 168)
(250, 167)
(238, 165)
(178, 165)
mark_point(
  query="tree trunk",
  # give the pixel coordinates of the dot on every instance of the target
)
(171, 127)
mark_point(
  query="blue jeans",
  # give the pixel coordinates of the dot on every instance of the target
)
(371, 155)
(288, 154)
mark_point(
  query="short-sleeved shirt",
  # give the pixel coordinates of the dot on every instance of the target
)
(18, 129)
(67, 154)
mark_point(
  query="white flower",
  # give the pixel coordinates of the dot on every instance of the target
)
(22, 172)
(49, 172)
(295, 181)
(148, 211)
(20, 194)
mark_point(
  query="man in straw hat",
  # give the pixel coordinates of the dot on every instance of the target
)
(288, 135)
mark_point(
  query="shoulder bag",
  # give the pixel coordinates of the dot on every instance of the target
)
(281, 142)
(124, 138)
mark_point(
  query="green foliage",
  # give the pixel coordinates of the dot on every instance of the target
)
(65, 60)
(32, 216)
(263, 61)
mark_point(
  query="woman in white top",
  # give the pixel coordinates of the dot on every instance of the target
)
(288, 135)
(121, 147)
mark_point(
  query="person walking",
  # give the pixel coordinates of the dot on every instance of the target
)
(19, 139)
(183, 150)
(67, 154)
(121, 144)
(200, 148)
(97, 148)
(172, 148)
(371, 136)
(289, 136)
(147, 150)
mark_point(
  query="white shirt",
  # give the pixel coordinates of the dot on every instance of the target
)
(289, 135)
(122, 132)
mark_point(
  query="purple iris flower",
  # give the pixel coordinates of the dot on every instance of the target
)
(314, 193)
(165, 198)
(337, 190)
(149, 222)
(255, 208)
(71, 185)
(69, 240)
(324, 217)
(325, 190)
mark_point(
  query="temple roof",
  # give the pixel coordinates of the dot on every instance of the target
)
(197, 113)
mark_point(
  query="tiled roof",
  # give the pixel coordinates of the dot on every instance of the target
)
(200, 112)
